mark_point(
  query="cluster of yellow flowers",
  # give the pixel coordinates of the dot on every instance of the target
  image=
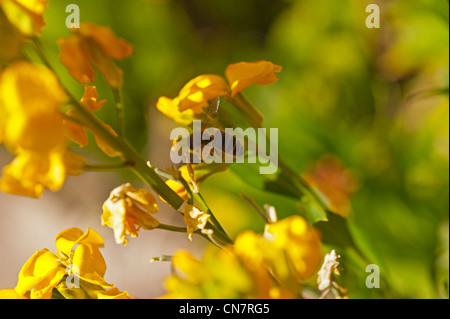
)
(272, 265)
(38, 117)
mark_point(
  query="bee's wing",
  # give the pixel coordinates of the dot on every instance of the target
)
(212, 113)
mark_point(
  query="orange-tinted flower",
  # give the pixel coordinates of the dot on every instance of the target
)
(334, 183)
(74, 131)
(94, 46)
(197, 93)
(243, 74)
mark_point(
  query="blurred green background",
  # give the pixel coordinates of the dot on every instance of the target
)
(377, 99)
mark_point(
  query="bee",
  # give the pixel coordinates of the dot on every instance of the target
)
(206, 135)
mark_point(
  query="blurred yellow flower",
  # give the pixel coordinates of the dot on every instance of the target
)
(194, 218)
(197, 93)
(92, 45)
(45, 271)
(292, 239)
(31, 127)
(31, 98)
(25, 15)
(219, 274)
(243, 74)
(127, 210)
(31, 172)
(270, 265)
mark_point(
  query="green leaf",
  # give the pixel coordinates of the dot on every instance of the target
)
(335, 231)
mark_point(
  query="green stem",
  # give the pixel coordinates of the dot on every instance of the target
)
(251, 114)
(172, 228)
(217, 226)
(184, 230)
(255, 206)
(120, 113)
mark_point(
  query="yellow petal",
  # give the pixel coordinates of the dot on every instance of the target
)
(43, 271)
(299, 242)
(198, 91)
(76, 59)
(194, 218)
(243, 74)
(76, 133)
(30, 173)
(105, 147)
(26, 15)
(144, 198)
(10, 294)
(68, 238)
(89, 99)
(127, 210)
(91, 264)
(169, 107)
(114, 216)
(113, 293)
(74, 163)
(105, 38)
(31, 97)
(177, 188)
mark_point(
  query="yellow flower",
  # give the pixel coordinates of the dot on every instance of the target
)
(31, 98)
(78, 255)
(196, 94)
(270, 265)
(31, 127)
(242, 75)
(25, 15)
(296, 241)
(31, 172)
(219, 274)
(127, 210)
(169, 107)
(194, 218)
(90, 46)
(198, 91)
(40, 274)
